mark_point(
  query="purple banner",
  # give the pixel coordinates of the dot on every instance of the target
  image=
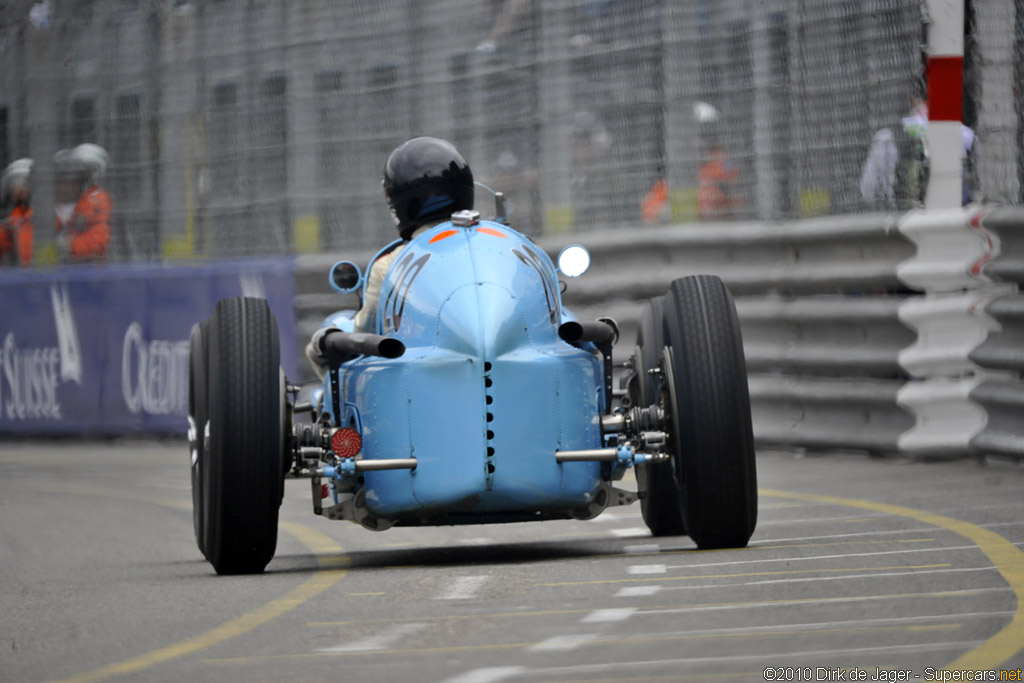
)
(104, 350)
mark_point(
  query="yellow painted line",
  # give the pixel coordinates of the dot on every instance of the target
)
(329, 558)
(662, 579)
(1007, 558)
(781, 632)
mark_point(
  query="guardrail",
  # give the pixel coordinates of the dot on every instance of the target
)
(965, 365)
(883, 333)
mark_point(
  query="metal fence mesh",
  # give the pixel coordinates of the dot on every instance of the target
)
(246, 127)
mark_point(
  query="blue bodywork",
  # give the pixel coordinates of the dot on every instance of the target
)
(485, 393)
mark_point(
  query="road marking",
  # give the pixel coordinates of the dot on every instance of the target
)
(610, 614)
(887, 532)
(836, 578)
(967, 592)
(832, 543)
(649, 548)
(380, 641)
(646, 569)
(744, 574)
(820, 557)
(614, 640)
(629, 533)
(1004, 555)
(637, 591)
(330, 560)
(563, 643)
(632, 665)
(791, 602)
(818, 520)
(479, 540)
(463, 587)
(491, 674)
(908, 622)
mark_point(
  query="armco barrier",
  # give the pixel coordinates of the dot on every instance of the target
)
(828, 413)
(829, 335)
(104, 350)
(966, 390)
(1003, 348)
(1006, 226)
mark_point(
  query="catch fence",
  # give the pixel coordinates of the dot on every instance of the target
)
(248, 127)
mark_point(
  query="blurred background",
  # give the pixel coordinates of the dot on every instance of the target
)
(257, 127)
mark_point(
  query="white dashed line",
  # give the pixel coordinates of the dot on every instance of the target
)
(491, 674)
(381, 641)
(463, 587)
(637, 591)
(563, 643)
(611, 614)
(635, 531)
(647, 569)
(641, 549)
(483, 540)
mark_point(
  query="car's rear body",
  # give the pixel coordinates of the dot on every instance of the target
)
(485, 393)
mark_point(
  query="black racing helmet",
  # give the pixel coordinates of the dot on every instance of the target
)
(426, 179)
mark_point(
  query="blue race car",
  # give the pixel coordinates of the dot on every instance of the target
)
(481, 399)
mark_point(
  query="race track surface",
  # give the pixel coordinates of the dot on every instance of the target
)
(857, 564)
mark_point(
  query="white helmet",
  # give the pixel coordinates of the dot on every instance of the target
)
(93, 158)
(16, 176)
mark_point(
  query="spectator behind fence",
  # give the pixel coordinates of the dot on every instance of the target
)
(719, 196)
(895, 174)
(16, 230)
(83, 206)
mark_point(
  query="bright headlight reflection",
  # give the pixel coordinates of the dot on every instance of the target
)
(574, 260)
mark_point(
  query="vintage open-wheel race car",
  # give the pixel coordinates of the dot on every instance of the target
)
(480, 399)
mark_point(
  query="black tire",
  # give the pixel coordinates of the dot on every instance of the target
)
(662, 506)
(243, 481)
(197, 416)
(711, 437)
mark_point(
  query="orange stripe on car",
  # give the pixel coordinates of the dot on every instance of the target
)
(442, 236)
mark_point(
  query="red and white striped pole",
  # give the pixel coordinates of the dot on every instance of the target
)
(945, 103)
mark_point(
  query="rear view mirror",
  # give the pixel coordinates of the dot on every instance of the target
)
(345, 277)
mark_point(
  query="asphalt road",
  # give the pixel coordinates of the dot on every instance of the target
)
(857, 565)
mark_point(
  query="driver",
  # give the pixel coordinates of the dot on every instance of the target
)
(426, 180)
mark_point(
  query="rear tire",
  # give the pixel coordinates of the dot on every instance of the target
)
(197, 416)
(661, 507)
(243, 481)
(711, 437)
